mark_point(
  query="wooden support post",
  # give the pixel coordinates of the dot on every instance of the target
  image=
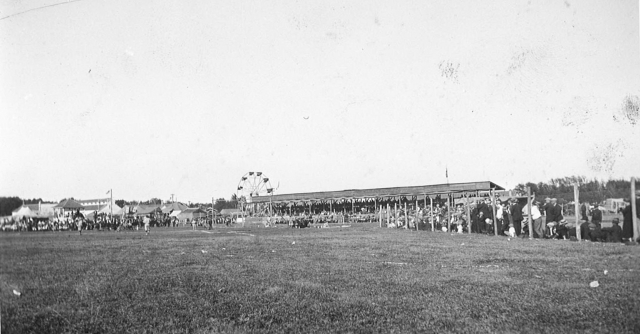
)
(395, 213)
(406, 216)
(634, 211)
(449, 213)
(425, 201)
(466, 196)
(375, 204)
(492, 193)
(432, 225)
(388, 217)
(416, 221)
(576, 199)
(380, 216)
(530, 219)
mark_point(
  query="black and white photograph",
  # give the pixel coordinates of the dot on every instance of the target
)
(286, 166)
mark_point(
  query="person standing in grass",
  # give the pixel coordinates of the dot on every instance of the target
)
(484, 213)
(583, 212)
(536, 217)
(596, 214)
(147, 222)
(554, 215)
(474, 220)
(546, 211)
(499, 216)
(627, 221)
(79, 224)
(506, 218)
(516, 213)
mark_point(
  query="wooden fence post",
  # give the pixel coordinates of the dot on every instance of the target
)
(406, 217)
(449, 213)
(576, 200)
(395, 214)
(634, 210)
(432, 225)
(492, 193)
(416, 221)
(466, 196)
(388, 209)
(530, 219)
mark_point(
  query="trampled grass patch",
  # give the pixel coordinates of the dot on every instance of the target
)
(356, 279)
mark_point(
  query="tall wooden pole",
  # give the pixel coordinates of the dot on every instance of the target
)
(492, 193)
(425, 205)
(449, 212)
(406, 217)
(432, 225)
(634, 210)
(388, 209)
(395, 213)
(380, 216)
(375, 204)
(576, 200)
(466, 196)
(530, 219)
(416, 221)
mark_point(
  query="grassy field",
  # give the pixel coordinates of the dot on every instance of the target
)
(351, 279)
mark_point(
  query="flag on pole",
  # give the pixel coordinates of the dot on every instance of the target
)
(108, 191)
(446, 171)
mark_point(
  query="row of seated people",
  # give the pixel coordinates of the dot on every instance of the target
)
(589, 231)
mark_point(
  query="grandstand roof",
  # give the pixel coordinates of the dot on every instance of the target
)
(451, 188)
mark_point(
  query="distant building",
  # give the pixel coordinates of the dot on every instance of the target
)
(98, 202)
(614, 204)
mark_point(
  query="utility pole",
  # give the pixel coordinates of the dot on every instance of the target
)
(576, 203)
(634, 210)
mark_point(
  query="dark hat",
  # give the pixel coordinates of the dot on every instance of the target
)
(615, 221)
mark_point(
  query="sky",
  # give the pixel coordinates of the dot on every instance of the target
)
(153, 98)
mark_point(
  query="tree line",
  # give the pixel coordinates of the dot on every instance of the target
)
(591, 190)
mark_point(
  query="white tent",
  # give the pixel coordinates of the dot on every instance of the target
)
(107, 209)
(24, 211)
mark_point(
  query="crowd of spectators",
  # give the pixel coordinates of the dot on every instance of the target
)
(509, 217)
(75, 221)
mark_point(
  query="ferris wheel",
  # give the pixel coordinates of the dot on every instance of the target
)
(253, 184)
